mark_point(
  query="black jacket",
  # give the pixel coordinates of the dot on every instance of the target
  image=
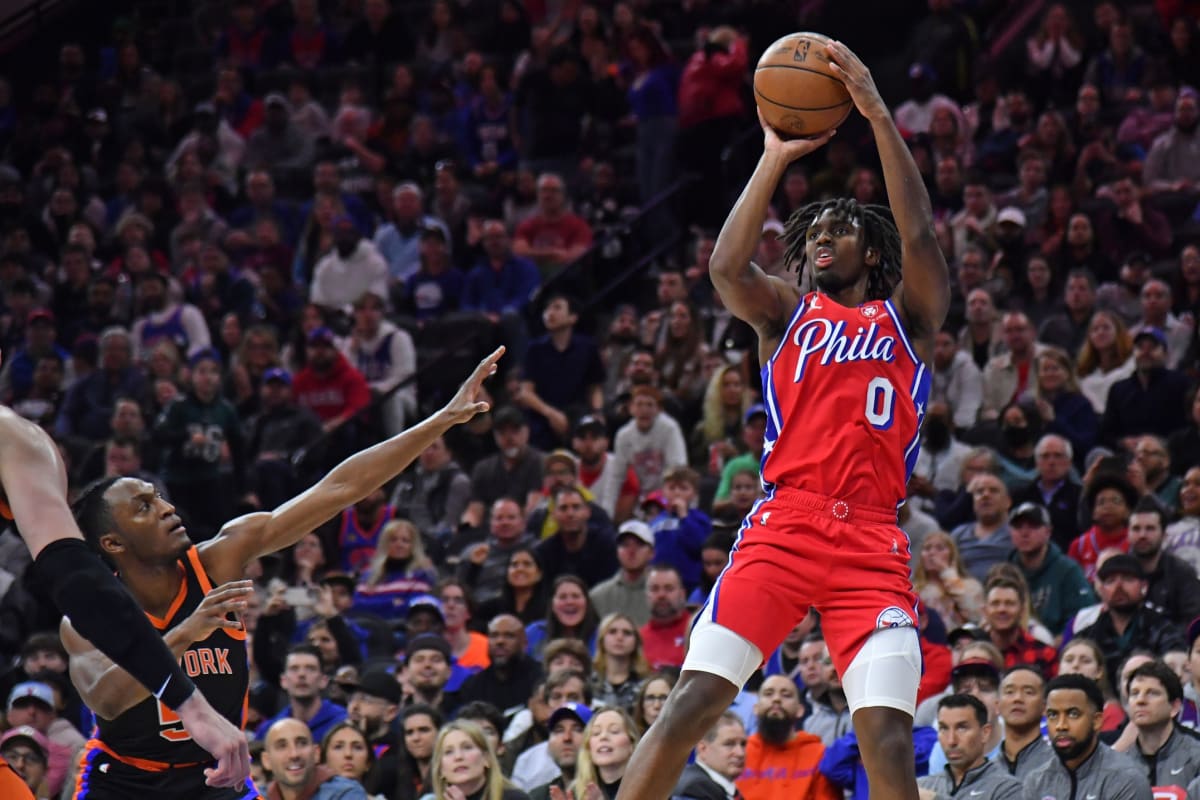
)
(1150, 631)
(507, 695)
(1063, 508)
(1174, 590)
(696, 784)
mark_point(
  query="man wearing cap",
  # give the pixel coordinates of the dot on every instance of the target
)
(32, 704)
(566, 725)
(160, 318)
(279, 429)
(720, 759)
(1169, 755)
(616, 494)
(329, 385)
(1147, 401)
(979, 678)
(373, 707)
(278, 144)
(769, 253)
(515, 471)
(964, 729)
(386, 356)
(562, 372)
(511, 676)
(26, 750)
(625, 592)
(353, 267)
(1173, 589)
(428, 663)
(1126, 624)
(1084, 767)
(200, 434)
(436, 287)
(16, 377)
(1057, 586)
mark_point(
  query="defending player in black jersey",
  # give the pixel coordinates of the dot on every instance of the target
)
(141, 750)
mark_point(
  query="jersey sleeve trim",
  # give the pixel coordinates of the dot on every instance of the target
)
(180, 596)
(901, 332)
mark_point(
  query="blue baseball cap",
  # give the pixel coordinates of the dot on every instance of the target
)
(322, 335)
(1154, 333)
(754, 410)
(207, 354)
(577, 711)
(277, 374)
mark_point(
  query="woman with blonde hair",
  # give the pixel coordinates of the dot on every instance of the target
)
(1105, 357)
(1063, 408)
(726, 399)
(620, 665)
(942, 582)
(608, 742)
(465, 766)
(399, 570)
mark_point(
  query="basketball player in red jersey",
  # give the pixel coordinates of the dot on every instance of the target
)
(33, 493)
(188, 592)
(845, 380)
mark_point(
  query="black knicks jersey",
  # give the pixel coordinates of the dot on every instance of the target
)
(218, 665)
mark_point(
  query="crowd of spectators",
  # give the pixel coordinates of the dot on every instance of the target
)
(225, 262)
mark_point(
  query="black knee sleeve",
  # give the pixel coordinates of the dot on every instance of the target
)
(105, 614)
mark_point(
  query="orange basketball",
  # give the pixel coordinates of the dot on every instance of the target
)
(795, 89)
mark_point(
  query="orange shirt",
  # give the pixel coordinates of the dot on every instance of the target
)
(11, 785)
(786, 773)
(476, 654)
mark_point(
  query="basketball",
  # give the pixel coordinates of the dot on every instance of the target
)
(795, 89)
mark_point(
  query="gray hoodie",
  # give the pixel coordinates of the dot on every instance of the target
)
(1106, 775)
(988, 781)
(1032, 756)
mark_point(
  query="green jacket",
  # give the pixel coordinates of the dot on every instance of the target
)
(1057, 589)
(185, 460)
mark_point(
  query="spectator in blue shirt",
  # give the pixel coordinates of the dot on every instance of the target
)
(437, 286)
(304, 680)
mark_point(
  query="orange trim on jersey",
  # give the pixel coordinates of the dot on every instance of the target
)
(5, 511)
(193, 556)
(12, 787)
(144, 764)
(180, 596)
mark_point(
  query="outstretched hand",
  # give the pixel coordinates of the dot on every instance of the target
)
(857, 79)
(466, 403)
(789, 149)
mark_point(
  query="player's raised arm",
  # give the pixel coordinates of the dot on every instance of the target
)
(254, 535)
(924, 291)
(762, 300)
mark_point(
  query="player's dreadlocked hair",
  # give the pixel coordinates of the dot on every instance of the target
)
(92, 512)
(879, 234)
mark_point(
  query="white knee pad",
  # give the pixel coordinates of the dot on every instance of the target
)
(885, 672)
(717, 650)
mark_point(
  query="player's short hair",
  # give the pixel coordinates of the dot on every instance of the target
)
(480, 709)
(683, 474)
(1159, 671)
(726, 718)
(44, 642)
(663, 566)
(572, 303)
(421, 709)
(1077, 682)
(1054, 437)
(92, 512)
(568, 488)
(1033, 668)
(305, 649)
(558, 679)
(567, 646)
(963, 700)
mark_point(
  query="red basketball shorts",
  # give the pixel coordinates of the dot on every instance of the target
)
(799, 549)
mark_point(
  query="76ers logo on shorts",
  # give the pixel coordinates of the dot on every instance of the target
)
(894, 617)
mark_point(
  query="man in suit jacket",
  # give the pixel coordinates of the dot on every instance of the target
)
(720, 759)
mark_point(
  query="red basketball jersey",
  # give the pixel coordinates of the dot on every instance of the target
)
(845, 395)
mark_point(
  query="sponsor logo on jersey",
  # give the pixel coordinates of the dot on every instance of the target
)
(894, 617)
(830, 342)
(869, 311)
